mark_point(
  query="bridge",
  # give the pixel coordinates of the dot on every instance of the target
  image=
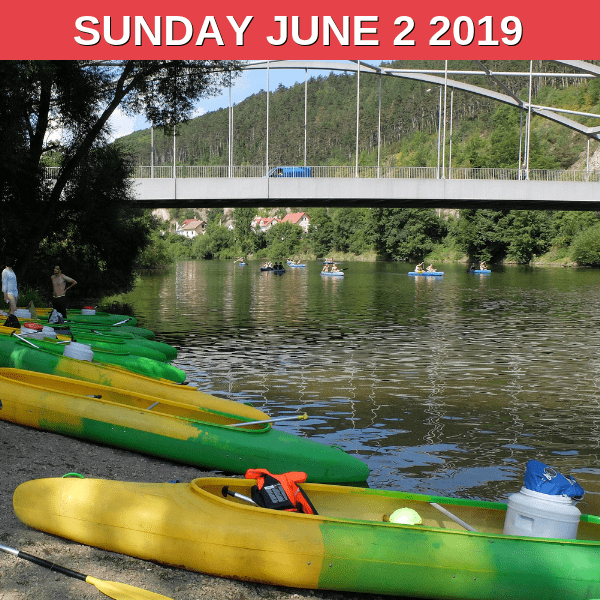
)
(441, 186)
(408, 187)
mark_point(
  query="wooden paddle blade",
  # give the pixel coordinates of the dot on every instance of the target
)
(122, 591)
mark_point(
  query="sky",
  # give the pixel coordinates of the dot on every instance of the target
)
(250, 82)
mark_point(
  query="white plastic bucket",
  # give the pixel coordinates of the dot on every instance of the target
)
(88, 311)
(79, 351)
(32, 330)
(48, 331)
(534, 514)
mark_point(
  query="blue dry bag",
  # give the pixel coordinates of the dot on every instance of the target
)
(546, 480)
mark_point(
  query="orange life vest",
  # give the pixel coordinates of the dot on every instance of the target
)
(280, 492)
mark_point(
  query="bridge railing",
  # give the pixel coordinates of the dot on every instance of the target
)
(347, 172)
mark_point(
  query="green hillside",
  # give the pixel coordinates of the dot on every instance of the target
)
(485, 134)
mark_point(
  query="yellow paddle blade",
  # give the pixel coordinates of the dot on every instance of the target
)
(122, 591)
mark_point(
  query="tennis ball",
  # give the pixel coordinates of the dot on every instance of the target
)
(406, 516)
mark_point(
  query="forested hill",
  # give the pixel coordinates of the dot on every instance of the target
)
(485, 134)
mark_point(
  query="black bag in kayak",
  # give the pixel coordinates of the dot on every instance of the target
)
(12, 321)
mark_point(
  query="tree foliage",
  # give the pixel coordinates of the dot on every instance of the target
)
(406, 233)
(58, 111)
(586, 247)
(478, 234)
(94, 236)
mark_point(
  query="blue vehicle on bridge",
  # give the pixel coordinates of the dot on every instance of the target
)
(290, 172)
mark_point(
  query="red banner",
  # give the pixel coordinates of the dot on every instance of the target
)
(307, 31)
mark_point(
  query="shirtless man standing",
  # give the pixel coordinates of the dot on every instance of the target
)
(59, 291)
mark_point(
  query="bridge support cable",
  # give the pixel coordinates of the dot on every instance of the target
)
(305, 110)
(450, 149)
(439, 134)
(379, 131)
(445, 103)
(357, 111)
(268, 94)
(230, 130)
(529, 121)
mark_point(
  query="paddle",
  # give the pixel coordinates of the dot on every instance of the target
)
(292, 418)
(24, 340)
(453, 517)
(121, 322)
(119, 591)
(226, 491)
(386, 518)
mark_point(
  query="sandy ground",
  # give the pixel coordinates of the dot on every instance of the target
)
(31, 454)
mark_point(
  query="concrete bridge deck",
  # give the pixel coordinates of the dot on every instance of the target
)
(212, 192)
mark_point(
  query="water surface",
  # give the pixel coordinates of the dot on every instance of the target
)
(446, 385)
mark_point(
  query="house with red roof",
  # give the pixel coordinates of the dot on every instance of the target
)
(299, 218)
(191, 228)
(264, 223)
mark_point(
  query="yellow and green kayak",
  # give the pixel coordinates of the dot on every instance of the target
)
(348, 546)
(41, 361)
(126, 339)
(105, 336)
(118, 330)
(172, 430)
(99, 343)
(23, 353)
(98, 317)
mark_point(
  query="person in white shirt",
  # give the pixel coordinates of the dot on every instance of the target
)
(9, 284)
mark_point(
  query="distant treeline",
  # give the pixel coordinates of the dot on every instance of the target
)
(519, 236)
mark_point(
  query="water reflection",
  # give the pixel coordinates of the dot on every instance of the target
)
(442, 384)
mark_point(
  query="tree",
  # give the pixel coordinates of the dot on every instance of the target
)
(478, 233)
(284, 239)
(94, 235)
(566, 225)
(321, 231)
(243, 232)
(74, 100)
(352, 229)
(527, 233)
(406, 233)
(585, 249)
(215, 243)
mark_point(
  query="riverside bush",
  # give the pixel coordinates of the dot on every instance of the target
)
(586, 247)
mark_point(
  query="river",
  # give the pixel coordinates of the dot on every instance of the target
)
(445, 385)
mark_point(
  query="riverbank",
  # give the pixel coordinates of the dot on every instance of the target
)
(31, 454)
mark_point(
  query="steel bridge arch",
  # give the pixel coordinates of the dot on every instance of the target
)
(587, 70)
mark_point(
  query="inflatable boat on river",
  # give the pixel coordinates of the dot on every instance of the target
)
(348, 546)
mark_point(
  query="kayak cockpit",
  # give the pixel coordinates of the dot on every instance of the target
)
(361, 504)
(128, 400)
